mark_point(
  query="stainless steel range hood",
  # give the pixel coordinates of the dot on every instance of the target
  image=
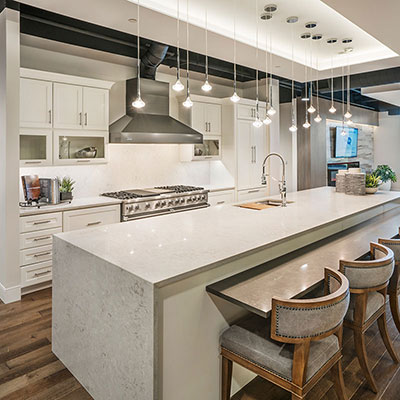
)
(152, 123)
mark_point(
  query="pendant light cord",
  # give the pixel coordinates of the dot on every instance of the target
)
(138, 45)
(187, 48)
(206, 44)
(234, 46)
(257, 57)
(178, 74)
(348, 84)
(343, 97)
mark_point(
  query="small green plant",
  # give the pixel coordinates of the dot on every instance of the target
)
(372, 180)
(386, 173)
(66, 184)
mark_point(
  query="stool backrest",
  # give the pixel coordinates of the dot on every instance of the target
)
(370, 275)
(294, 321)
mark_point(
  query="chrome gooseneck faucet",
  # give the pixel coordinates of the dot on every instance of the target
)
(282, 183)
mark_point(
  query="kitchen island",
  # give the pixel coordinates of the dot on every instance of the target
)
(131, 315)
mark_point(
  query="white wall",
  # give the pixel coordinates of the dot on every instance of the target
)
(130, 166)
(9, 156)
(387, 143)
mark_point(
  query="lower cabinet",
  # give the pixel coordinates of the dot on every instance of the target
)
(252, 194)
(221, 197)
(36, 239)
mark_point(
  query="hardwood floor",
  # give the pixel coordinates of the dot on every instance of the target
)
(30, 371)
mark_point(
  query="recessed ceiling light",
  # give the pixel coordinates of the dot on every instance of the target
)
(318, 36)
(348, 49)
(305, 35)
(310, 25)
(266, 16)
(331, 40)
(292, 20)
(132, 20)
(270, 8)
(347, 40)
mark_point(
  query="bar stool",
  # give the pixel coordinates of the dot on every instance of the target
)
(368, 285)
(305, 341)
(394, 283)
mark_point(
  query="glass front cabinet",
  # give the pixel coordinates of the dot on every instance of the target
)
(210, 149)
(35, 147)
(72, 147)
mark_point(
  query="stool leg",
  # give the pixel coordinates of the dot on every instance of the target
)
(394, 308)
(359, 342)
(226, 378)
(385, 337)
(337, 375)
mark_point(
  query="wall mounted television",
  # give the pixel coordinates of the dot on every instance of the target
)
(346, 142)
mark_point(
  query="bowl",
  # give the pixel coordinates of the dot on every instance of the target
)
(371, 190)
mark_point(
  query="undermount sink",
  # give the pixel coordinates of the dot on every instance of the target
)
(264, 204)
(274, 202)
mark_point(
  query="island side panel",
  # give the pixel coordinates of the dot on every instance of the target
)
(103, 325)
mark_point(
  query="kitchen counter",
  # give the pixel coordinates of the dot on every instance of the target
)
(218, 188)
(133, 295)
(76, 204)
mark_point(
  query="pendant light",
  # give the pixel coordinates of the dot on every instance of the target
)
(306, 124)
(305, 97)
(188, 102)
(293, 127)
(178, 85)
(257, 123)
(332, 109)
(348, 114)
(234, 98)
(311, 109)
(206, 86)
(317, 37)
(271, 110)
(267, 119)
(138, 102)
(343, 132)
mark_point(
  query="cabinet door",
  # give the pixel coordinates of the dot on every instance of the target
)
(245, 154)
(213, 118)
(67, 106)
(246, 112)
(95, 109)
(199, 117)
(259, 141)
(35, 147)
(35, 103)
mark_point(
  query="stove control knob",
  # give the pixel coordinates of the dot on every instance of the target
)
(170, 202)
(194, 198)
(176, 201)
(157, 204)
(147, 205)
(182, 199)
(163, 203)
(136, 207)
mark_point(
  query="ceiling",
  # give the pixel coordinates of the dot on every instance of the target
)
(387, 93)
(158, 23)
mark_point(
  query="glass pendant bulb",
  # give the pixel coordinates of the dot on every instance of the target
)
(257, 123)
(348, 114)
(311, 109)
(178, 86)
(293, 128)
(332, 110)
(206, 86)
(235, 98)
(138, 103)
(350, 122)
(267, 120)
(343, 132)
(188, 103)
(306, 124)
(318, 119)
(271, 111)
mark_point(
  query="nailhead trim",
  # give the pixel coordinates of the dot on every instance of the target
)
(306, 310)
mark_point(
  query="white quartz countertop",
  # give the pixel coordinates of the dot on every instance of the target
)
(85, 202)
(167, 248)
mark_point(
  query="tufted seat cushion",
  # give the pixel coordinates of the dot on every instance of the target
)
(251, 340)
(375, 300)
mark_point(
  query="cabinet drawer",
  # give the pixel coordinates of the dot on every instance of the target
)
(36, 273)
(252, 194)
(91, 217)
(35, 255)
(223, 197)
(39, 238)
(40, 222)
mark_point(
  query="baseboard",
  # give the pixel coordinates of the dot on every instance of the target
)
(9, 295)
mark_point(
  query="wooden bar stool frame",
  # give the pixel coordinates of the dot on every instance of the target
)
(298, 387)
(359, 325)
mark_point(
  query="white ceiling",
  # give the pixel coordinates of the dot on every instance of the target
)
(330, 24)
(387, 93)
(161, 26)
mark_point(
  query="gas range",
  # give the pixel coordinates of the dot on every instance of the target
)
(142, 203)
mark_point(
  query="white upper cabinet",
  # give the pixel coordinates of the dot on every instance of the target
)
(95, 109)
(68, 106)
(36, 103)
(206, 118)
(199, 117)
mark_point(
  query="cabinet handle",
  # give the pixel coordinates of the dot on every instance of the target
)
(206, 126)
(42, 238)
(42, 254)
(49, 116)
(83, 161)
(80, 118)
(209, 127)
(32, 162)
(41, 222)
(255, 154)
(252, 154)
(208, 157)
(86, 118)
(93, 223)
(37, 274)
(254, 191)
(221, 202)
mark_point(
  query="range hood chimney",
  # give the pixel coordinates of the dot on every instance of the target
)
(152, 123)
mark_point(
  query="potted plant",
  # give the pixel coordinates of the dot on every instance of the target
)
(372, 182)
(387, 176)
(66, 188)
